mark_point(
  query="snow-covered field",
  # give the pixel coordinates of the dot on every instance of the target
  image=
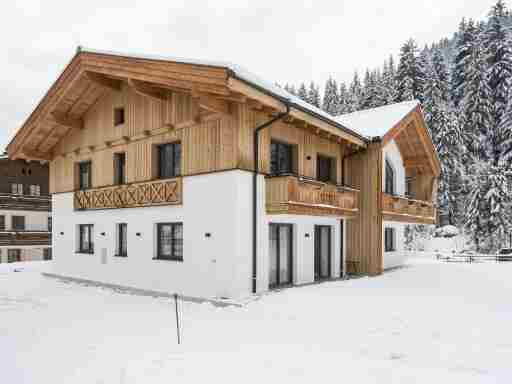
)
(428, 322)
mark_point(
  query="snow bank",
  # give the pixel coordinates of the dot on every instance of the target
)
(427, 322)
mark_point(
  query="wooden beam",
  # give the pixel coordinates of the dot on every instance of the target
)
(103, 81)
(66, 121)
(414, 162)
(214, 105)
(36, 155)
(146, 89)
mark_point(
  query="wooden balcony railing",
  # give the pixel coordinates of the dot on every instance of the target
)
(296, 195)
(25, 202)
(403, 209)
(143, 194)
(20, 238)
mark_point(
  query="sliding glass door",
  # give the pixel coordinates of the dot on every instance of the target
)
(322, 252)
(280, 255)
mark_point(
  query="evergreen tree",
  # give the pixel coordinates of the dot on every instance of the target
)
(314, 95)
(302, 92)
(475, 220)
(386, 88)
(497, 201)
(343, 105)
(477, 106)
(464, 44)
(355, 94)
(331, 98)
(409, 75)
(441, 72)
(498, 53)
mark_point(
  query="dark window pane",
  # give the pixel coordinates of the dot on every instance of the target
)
(169, 156)
(119, 168)
(2, 223)
(324, 168)
(390, 179)
(280, 158)
(118, 116)
(18, 223)
(84, 175)
(122, 249)
(170, 241)
(85, 238)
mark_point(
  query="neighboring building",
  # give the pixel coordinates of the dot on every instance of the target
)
(25, 218)
(152, 174)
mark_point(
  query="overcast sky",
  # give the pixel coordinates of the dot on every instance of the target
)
(283, 41)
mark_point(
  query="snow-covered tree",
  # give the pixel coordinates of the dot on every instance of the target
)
(331, 98)
(497, 48)
(409, 74)
(464, 44)
(477, 106)
(302, 92)
(343, 105)
(355, 94)
(314, 95)
(497, 200)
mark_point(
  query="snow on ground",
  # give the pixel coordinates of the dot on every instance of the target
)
(427, 322)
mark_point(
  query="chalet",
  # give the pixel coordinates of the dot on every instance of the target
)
(200, 178)
(25, 211)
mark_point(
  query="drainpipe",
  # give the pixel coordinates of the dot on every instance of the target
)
(256, 149)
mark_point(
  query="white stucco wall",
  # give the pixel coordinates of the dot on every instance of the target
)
(398, 257)
(34, 220)
(304, 246)
(216, 266)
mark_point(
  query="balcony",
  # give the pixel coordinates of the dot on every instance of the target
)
(20, 238)
(403, 209)
(143, 194)
(302, 196)
(25, 202)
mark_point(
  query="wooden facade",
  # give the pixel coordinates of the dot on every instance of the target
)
(106, 104)
(21, 238)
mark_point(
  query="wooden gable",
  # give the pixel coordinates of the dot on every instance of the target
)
(415, 145)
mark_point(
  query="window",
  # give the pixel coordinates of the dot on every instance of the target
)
(122, 240)
(35, 190)
(13, 255)
(324, 168)
(47, 254)
(170, 241)
(118, 116)
(84, 175)
(390, 179)
(119, 168)
(85, 244)
(17, 189)
(2, 223)
(389, 239)
(408, 187)
(49, 223)
(280, 158)
(169, 160)
(18, 223)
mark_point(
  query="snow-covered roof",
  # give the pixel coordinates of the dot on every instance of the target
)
(376, 122)
(244, 75)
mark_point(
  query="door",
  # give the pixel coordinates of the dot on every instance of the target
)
(322, 252)
(342, 245)
(280, 255)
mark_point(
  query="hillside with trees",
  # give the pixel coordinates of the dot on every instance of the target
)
(464, 86)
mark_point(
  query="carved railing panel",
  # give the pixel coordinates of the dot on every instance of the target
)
(408, 210)
(297, 195)
(144, 194)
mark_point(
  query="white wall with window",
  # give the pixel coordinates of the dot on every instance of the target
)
(392, 158)
(206, 248)
(32, 220)
(396, 255)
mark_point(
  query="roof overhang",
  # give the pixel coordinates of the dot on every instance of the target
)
(414, 142)
(91, 73)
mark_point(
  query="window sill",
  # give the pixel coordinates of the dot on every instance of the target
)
(168, 259)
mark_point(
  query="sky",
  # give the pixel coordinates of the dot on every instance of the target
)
(282, 41)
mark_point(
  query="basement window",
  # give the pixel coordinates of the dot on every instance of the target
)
(118, 116)
(389, 240)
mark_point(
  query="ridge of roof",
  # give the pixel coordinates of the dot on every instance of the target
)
(376, 122)
(243, 74)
